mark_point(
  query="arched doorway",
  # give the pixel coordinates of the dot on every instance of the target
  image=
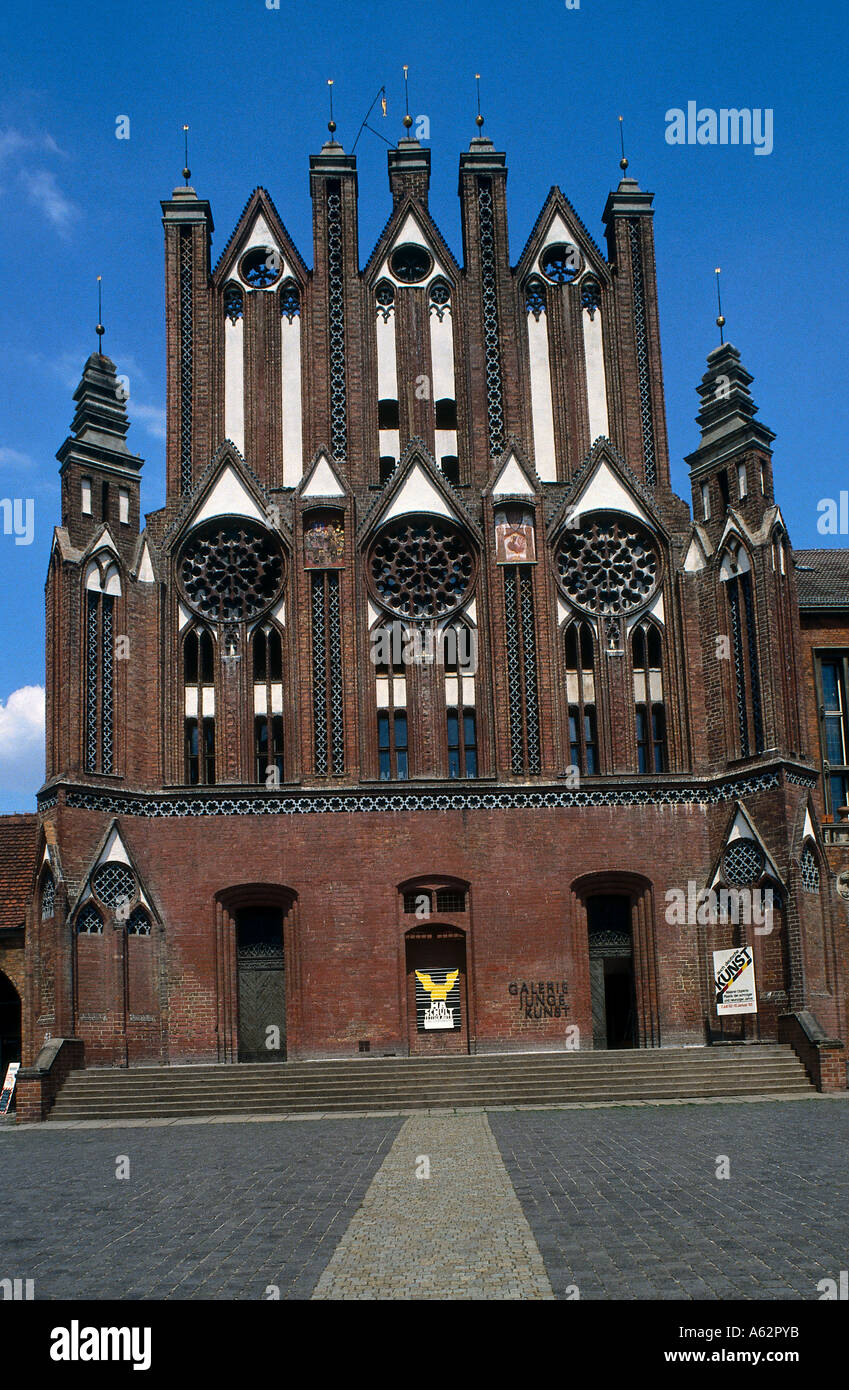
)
(611, 953)
(10, 1025)
(437, 997)
(261, 984)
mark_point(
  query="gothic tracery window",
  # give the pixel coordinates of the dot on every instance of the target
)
(650, 714)
(581, 698)
(460, 662)
(199, 706)
(102, 589)
(736, 576)
(391, 702)
(268, 704)
(48, 896)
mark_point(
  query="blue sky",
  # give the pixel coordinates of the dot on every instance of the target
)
(76, 202)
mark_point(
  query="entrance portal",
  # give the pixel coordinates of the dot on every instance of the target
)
(611, 971)
(10, 1025)
(262, 984)
(437, 1000)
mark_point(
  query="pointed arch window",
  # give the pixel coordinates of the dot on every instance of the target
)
(650, 713)
(581, 697)
(735, 573)
(290, 301)
(138, 923)
(460, 664)
(89, 921)
(199, 706)
(234, 302)
(102, 589)
(535, 296)
(48, 896)
(268, 704)
(809, 870)
(390, 672)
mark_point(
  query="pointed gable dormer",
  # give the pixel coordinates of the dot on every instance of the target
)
(100, 477)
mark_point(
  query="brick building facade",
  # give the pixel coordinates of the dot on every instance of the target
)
(406, 721)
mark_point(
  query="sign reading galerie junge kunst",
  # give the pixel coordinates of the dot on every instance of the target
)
(437, 999)
(734, 981)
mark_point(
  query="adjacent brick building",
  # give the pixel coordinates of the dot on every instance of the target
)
(404, 722)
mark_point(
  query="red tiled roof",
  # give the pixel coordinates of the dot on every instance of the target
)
(18, 838)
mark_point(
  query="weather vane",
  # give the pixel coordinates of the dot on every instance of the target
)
(99, 330)
(187, 173)
(623, 163)
(720, 321)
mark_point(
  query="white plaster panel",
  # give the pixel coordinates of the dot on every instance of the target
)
(323, 482)
(418, 494)
(145, 574)
(442, 357)
(596, 378)
(290, 356)
(542, 408)
(229, 497)
(603, 491)
(512, 480)
(387, 371)
(234, 382)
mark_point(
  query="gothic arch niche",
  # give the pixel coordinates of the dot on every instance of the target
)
(615, 940)
(436, 963)
(256, 972)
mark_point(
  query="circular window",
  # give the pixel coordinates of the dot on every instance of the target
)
(743, 862)
(261, 266)
(114, 883)
(410, 263)
(609, 565)
(230, 570)
(560, 263)
(421, 567)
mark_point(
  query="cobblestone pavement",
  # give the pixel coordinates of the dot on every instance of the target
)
(623, 1203)
(457, 1233)
(218, 1211)
(626, 1204)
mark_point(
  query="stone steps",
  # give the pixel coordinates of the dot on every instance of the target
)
(430, 1083)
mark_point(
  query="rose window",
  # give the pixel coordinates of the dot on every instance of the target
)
(421, 568)
(231, 570)
(609, 565)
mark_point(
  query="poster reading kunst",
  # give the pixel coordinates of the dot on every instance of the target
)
(437, 999)
(9, 1087)
(734, 981)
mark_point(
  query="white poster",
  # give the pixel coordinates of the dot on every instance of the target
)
(9, 1087)
(734, 981)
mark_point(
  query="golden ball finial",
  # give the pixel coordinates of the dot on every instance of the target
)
(331, 126)
(720, 322)
(478, 121)
(623, 164)
(408, 121)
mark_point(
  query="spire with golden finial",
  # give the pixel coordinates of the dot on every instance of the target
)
(408, 120)
(331, 124)
(99, 330)
(623, 163)
(187, 173)
(478, 117)
(720, 321)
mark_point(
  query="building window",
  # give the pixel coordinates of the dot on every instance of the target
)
(268, 705)
(85, 496)
(123, 506)
(580, 694)
(741, 481)
(199, 707)
(89, 921)
(391, 700)
(460, 663)
(736, 575)
(450, 900)
(523, 697)
(810, 871)
(327, 693)
(48, 896)
(650, 717)
(832, 672)
(138, 923)
(102, 589)
(705, 501)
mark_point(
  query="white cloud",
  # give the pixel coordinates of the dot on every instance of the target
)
(150, 417)
(45, 192)
(13, 458)
(21, 722)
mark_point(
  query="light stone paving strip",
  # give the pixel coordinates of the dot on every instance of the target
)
(460, 1233)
